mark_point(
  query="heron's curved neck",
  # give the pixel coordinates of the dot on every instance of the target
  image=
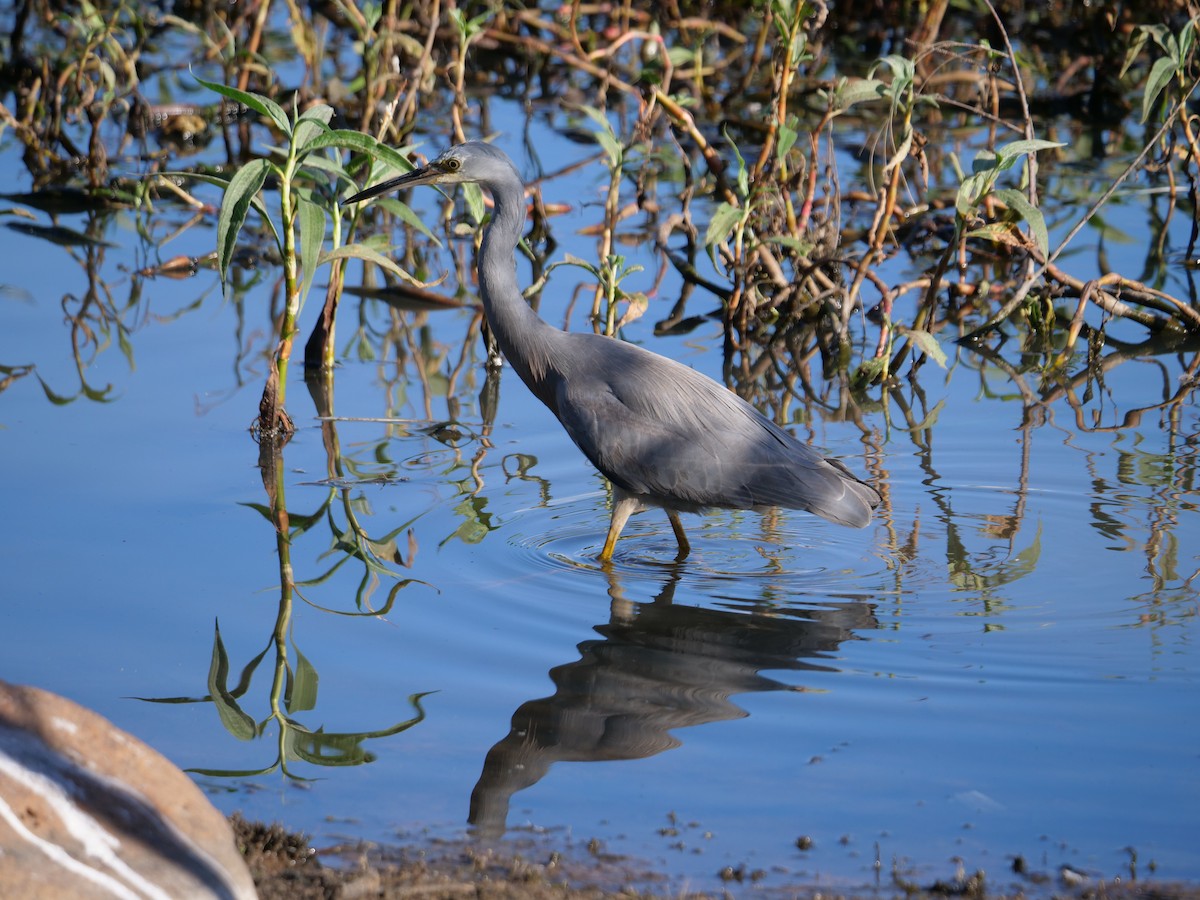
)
(523, 337)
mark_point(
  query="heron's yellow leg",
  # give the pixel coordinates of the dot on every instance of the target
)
(684, 547)
(623, 508)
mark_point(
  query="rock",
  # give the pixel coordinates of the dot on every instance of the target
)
(87, 810)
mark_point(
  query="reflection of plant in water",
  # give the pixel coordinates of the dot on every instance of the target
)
(293, 688)
(1144, 522)
(416, 370)
(98, 318)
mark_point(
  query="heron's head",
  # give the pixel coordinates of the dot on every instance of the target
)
(472, 161)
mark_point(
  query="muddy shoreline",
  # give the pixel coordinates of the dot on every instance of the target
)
(286, 867)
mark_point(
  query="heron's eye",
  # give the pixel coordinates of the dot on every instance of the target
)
(452, 164)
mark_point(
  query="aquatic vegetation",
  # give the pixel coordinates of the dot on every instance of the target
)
(729, 131)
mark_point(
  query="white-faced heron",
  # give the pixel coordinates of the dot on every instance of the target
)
(660, 432)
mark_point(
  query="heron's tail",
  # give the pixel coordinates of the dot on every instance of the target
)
(856, 502)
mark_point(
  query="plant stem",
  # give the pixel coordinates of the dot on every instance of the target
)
(273, 417)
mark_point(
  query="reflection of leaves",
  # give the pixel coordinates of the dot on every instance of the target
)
(10, 374)
(236, 722)
(57, 234)
(297, 741)
(476, 522)
(930, 420)
(299, 522)
(239, 690)
(60, 400)
(985, 578)
(300, 694)
(233, 773)
(243, 684)
(373, 613)
(321, 748)
(64, 200)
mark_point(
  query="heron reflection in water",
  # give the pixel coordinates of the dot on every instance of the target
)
(654, 669)
(660, 432)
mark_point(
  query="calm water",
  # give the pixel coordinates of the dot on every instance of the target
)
(1004, 663)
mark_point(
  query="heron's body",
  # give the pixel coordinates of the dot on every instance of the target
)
(660, 432)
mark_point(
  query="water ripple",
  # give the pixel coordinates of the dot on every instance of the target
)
(791, 551)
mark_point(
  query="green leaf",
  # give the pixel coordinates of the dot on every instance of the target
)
(403, 212)
(571, 260)
(597, 116)
(787, 138)
(927, 344)
(1160, 75)
(318, 112)
(799, 246)
(743, 175)
(473, 194)
(858, 90)
(1018, 148)
(312, 237)
(611, 145)
(971, 190)
(1019, 203)
(345, 139)
(1135, 47)
(331, 166)
(236, 722)
(361, 251)
(1187, 39)
(680, 56)
(223, 183)
(721, 223)
(998, 232)
(313, 122)
(260, 104)
(903, 68)
(1160, 33)
(239, 193)
(605, 137)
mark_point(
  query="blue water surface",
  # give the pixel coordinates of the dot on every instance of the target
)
(1004, 663)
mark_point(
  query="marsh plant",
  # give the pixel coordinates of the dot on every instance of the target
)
(776, 154)
(307, 172)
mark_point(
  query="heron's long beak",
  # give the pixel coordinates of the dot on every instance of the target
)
(423, 175)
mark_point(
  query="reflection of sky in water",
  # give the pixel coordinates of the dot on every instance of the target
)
(1003, 664)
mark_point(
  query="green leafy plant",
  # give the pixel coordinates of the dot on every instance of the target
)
(307, 172)
(1173, 66)
(612, 269)
(609, 275)
(980, 185)
(730, 222)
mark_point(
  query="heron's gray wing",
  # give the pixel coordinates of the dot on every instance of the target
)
(645, 454)
(660, 429)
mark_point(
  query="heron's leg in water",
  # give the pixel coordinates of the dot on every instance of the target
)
(624, 506)
(684, 547)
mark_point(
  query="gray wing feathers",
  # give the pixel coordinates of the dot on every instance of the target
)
(657, 428)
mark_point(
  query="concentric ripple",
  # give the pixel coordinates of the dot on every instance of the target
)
(787, 548)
